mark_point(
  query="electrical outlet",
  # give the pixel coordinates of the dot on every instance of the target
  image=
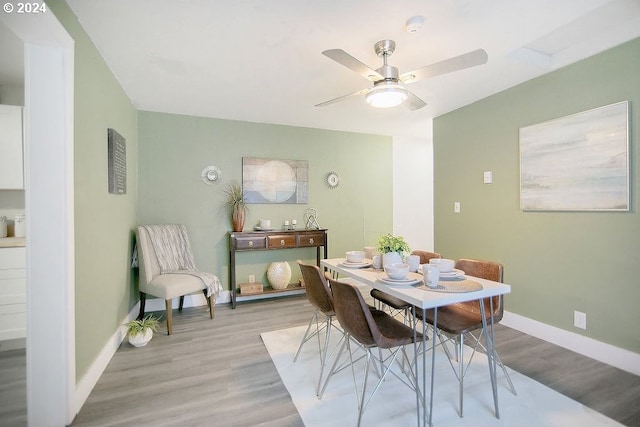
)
(456, 207)
(580, 319)
(252, 278)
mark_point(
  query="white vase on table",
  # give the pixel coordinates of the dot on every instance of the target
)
(391, 258)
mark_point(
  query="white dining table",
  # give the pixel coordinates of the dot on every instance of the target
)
(421, 298)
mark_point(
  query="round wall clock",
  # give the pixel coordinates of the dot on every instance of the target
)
(333, 180)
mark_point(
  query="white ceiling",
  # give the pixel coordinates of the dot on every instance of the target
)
(261, 61)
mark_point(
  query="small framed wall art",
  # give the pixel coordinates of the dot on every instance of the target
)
(117, 153)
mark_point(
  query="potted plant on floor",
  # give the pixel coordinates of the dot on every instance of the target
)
(140, 331)
(235, 205)
(392, 248)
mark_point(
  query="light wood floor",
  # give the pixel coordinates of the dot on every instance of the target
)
(218, 373)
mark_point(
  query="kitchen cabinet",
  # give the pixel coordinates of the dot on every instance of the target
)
(267, 241)
(11, 152)
(13, 293)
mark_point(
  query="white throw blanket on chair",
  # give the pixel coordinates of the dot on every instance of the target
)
(173, 252)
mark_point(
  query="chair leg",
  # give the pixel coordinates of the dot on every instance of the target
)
(344, 349)
(387, 364)
(498, 360)
(143, 298)
(460, 355)
(362, 404)
(210, 303)
(307, 336)
(181, 303)
(506, 374)
(169, 316)
(324, 354)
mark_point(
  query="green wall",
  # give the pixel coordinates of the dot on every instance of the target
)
(175, 149)
(103, 222)
(556, 262)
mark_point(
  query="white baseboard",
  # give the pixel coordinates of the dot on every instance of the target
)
(606, 353)
(93, 374)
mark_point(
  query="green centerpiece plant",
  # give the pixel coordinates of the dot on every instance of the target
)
(390, 243)
(393, 248)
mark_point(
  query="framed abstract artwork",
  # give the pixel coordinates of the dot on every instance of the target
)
(275, 180)
(117, 162)
(577, 163)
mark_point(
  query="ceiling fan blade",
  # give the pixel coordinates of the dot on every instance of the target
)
(413, 102)
(342, 98)
(466, 60)
(343, 58)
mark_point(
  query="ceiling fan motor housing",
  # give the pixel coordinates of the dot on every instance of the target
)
(389, 72)
(385, 47)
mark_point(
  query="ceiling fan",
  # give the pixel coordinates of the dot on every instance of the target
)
(388, 89)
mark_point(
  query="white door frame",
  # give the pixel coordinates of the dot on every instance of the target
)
(48, 145)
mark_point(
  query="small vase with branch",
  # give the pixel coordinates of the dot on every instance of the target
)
(235, 205)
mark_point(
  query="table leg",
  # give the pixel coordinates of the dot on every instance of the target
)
(433, 357)
(489, 340)
(422, 421)
(415, 361)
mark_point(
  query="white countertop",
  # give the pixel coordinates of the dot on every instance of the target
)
(12, 242)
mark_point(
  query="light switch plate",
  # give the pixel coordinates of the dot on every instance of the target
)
(488, 177)
(456, 207)
(580, 319)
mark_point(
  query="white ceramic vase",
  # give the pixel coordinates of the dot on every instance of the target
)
(140, 340)
(391, 258)
(279, 274)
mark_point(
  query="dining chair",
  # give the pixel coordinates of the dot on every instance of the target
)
(372, 329)
(460, 320)
(167, 269)
(320, 297)
(396, 305)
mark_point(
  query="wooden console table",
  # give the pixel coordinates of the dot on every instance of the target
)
(271, 240)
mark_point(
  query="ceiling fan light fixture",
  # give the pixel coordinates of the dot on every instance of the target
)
(386, 95)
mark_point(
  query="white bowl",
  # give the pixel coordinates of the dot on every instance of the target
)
(445, 265)
(355, 256)
(397, 271)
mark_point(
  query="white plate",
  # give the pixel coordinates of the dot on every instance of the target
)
(412, 278)
(452, 273)
(363, 264)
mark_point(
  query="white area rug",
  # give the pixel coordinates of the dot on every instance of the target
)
(395, 404)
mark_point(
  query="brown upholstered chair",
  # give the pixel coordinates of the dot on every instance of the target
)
(394, 304)
(320, 297)
(372, 329)
(462, 319)
(425, 256)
